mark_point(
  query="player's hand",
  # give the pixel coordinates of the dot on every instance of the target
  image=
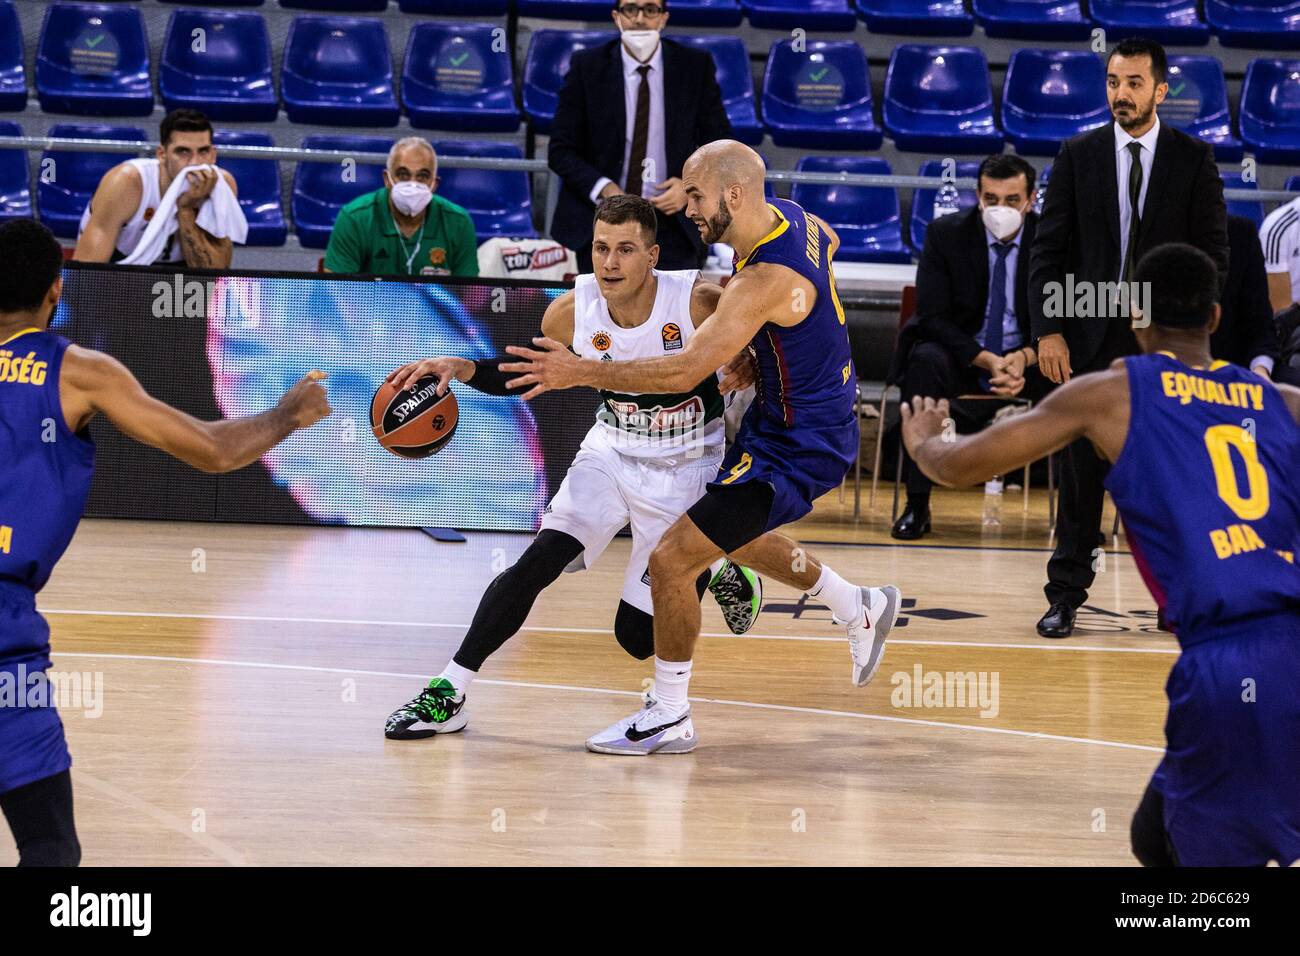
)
(444, 368)
(740, 373)
(201, 184)
(923, 418)
(672, 196)
(1054, 358)
(307, 401)
(549, 366)
(1262, 372)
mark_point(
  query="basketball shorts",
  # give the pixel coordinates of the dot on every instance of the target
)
(606, 490)
(1231, 772)
(32, 745)
(801, 464)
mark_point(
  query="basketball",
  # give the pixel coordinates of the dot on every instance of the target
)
(413, 423)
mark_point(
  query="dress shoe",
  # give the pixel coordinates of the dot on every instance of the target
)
(1057, 622)
(913, 523)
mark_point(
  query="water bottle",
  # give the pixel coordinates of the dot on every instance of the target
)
(946, 201)
(993, 502)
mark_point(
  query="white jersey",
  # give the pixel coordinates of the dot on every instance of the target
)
(687, 424)
(1280, 237)
(134, 227)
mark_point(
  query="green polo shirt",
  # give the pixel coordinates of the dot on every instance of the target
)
(365, 239)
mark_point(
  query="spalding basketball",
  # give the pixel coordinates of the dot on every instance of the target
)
(413, 423)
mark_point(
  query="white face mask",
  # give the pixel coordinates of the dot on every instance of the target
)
(411, 197)
(1002, 221)
(641, 43)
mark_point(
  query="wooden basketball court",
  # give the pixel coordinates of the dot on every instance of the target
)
(247, 671)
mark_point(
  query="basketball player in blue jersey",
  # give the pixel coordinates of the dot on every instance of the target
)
(49, 392)
(795, 443)
(1204, 477)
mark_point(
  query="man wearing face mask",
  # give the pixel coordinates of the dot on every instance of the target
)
(1115, 193)
(405, 228)
(970, 334)
(630, 113)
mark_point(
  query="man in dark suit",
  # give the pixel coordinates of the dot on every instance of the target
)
(1115, 193)
(1247, 335)
(630, 113)
(970, 334)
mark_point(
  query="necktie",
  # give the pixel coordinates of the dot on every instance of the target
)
(997, 298)
(640, 133)
(1134, 219)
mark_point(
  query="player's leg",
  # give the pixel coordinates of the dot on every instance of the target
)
(1147, 834)
(583, 518)
(40, 816)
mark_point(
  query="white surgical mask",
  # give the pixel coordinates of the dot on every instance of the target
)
(1002, 221)
(641, 43)
(411, 197)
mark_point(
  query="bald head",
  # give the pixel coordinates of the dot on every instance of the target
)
(722, 180)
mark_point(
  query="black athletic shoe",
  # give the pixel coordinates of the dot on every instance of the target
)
(436, 711)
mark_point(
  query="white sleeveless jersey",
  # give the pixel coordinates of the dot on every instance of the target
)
(134, 228)
(649, 425)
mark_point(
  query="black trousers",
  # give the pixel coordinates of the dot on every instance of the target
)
(676, 251)
(932, 371)
(1078, 514)
(40, 816)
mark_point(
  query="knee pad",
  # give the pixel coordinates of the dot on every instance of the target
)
(635, 631)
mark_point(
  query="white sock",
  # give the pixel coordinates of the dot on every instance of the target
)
(844, 599)
(672, 678)
(460, 677)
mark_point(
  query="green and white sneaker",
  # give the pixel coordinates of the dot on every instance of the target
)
(438, 710)
(739, 592)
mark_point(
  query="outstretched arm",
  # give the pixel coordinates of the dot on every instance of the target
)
(1094, 405)
(92, 382)
(750, 300)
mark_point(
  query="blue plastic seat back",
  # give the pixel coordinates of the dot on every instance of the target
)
(735, 80)
(499, 201)
(321, 189)
(223, 69)
(94, 59)
(258, 182)
(928, 201)
(13, 80)
(338, 69)
(1252, 210)
(15, 190)
(802, 14)
(547, 64)
(459, 76)
(1051, 95)
(69, 179)
(865, 217)
(1270, 108)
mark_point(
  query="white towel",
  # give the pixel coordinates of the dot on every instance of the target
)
(219, 216)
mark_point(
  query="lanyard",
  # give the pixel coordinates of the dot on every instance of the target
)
(419, 238)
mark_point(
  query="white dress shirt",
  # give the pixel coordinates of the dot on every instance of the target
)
(1123, 162)
(1011, 336)
(655, 150)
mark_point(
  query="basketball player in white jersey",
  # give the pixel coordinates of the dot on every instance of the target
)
(645, 461)
(130, 192)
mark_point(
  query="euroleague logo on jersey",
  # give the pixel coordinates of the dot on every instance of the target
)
(672, 336)
(601, 341)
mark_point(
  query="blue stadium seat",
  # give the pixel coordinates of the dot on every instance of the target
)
(925, 200)
(13, 81)
(866, 217)
(223, 3)
(917, 18)
(704, 13)
(499, 202)
(321, 189)
(259, 187)
(1292, 182)
(1040, 187)
(820, 98)
(230, 77)
(93, 60)
(565, 9)
(64, 197)
(460, 8)
(732, 61)
(1253, 211)
(337, 72)
(546, 65)
(1032, 19)
(789, 14)
(1270, 110)
(1267, 24)
(337, 6)
(1197, 103)
(1165, 21)
(938, 98)
(1050, 96)
(454, 79)
(15, 191)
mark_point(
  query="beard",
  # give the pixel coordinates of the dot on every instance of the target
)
(1136, 119)
(718, 224)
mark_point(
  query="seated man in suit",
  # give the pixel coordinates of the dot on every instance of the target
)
(630, 112)
(1247, 335)
(970, 334)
